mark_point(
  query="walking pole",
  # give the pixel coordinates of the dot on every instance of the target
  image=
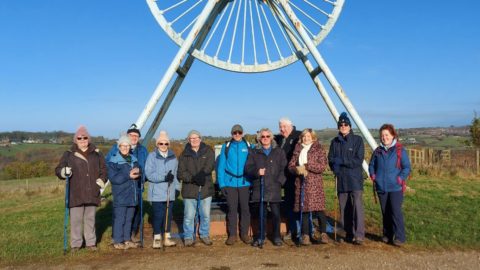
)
(166, 217)
(197, 214)
(141, 209)
(335, 208)
(262, 229)
(65, 219)
(302, 197)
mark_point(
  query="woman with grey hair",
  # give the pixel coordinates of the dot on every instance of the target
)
(267, 161)
(123, 172)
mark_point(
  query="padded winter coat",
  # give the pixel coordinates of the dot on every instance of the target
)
(314, 199)
(351, 150)
(140, 153)
(85, 172)
(274, 178)
(190, 163)
(389, 174)
(156, 169)
(230, 169)
(124, 188)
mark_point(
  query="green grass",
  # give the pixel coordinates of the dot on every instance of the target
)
(440, 214)
(12, 150)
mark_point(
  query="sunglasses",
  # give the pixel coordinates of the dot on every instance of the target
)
(82, 138)
(163, 143)
(237, 133)
(265, 136)
(343, 125)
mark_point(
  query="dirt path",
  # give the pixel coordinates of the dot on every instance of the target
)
(372, 255)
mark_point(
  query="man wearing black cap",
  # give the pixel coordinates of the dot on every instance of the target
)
(234, 184)
(141, 153)
(345, 159)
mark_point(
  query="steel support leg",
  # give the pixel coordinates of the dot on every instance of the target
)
(182, 73)
(328, 73)
(182, 52)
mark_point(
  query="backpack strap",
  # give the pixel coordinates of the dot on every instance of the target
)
(398, 148)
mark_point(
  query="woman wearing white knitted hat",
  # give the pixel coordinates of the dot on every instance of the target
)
(161, 172)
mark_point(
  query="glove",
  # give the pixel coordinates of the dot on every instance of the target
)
(199, 179)
(169, 178)
(372, 177)
(66, 172)
(301, 170)
(100, 183)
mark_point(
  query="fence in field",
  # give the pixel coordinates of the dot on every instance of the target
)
(461, 159)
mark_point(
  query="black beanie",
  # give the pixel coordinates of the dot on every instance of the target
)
(133, 128)
(343, 119)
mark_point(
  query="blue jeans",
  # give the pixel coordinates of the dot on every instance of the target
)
(190, 217)
(158, 217)
(122, 223)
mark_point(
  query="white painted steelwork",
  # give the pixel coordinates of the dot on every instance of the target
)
(267, 41)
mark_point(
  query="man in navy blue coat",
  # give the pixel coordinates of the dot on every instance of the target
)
(345, 158)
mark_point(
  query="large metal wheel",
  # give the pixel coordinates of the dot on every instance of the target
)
(246, 36)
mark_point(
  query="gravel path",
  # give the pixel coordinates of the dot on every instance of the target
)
(372, 255)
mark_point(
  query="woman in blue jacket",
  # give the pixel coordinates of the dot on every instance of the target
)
(389, 169)
(123, 172)
(161, 172)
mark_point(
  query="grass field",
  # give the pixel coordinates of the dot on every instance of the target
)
(439, 214)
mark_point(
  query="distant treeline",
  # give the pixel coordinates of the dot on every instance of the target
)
(61, 137)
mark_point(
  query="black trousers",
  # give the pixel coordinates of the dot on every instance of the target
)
(271, 210)
(238, 197)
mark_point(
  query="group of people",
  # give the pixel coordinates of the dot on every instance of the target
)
(250, 176)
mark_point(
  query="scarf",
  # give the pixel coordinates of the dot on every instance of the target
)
(302, 158)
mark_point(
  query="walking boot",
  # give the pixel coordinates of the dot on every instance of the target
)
(231, 240)
(324, 238)
(167, 242)
(246, 239)
(157, 241)
(188, 242)
(206, 240)
(130, 244)
(305, 240)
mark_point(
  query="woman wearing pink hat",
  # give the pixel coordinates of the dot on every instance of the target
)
(85, 167)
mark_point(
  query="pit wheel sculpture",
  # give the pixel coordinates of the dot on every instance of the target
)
(247, 36)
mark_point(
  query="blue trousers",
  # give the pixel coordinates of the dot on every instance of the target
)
(391, 204)
(190, 217)
(158, 217)
(137, 215)
(122, 223)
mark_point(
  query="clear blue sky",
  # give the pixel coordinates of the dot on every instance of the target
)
(91, 62)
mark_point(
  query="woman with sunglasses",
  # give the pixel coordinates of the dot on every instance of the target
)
(85, 167)
(234, 184)
(308, 163)
(267, 161)
(161, 172)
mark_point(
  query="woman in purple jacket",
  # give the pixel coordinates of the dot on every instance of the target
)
(389, 169)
